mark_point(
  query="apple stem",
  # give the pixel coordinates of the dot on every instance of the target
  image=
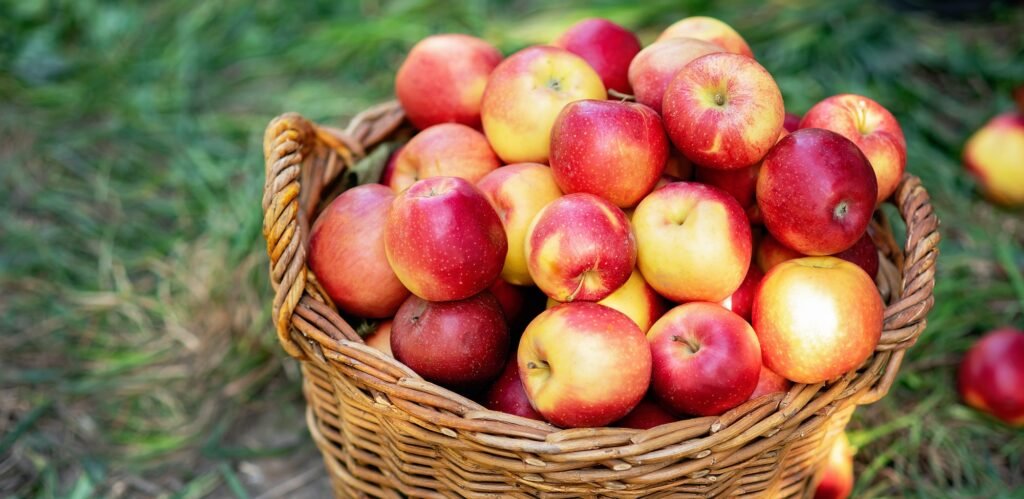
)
(691, 345)
(719, 99)
(534, 365)
(839, 212)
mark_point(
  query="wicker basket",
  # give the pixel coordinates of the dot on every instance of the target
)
(386, 432)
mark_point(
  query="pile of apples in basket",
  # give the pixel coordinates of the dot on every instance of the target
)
(693, 245)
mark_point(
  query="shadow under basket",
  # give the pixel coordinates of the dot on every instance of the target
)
(385, 432)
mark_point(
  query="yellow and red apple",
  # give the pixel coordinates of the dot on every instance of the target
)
(508, 395)
(995, 156)
(380, 338)
(837, 477)
(445, 150)
(741, 301)
(655, 66)
(636, 299)
(768, 382)
(711, 30)
(606, 46)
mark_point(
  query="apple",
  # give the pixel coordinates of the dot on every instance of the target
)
(580, 247)
(442, 80)
(606, 46)
(791, 123)
(992, 374)
(655, 66)
(693, 242)
(705, 359)
(741, 301)
(816, 191)
(723, 111)
(380, 338)
(741, 183)
(646, 415)
(524, 95)
(873, 128)
(616, 150)
(458, 344)
(517, 193)
(768, 382)
(995, 156)
(711, 30)
(389, 167)
(508, 395)
(346, 251)
(509, 296)
(837, 477)
(636, 299)
(677, 166)
(817, 318)
(445, 150)
(770, 252)
(584, 364)
(443, 240)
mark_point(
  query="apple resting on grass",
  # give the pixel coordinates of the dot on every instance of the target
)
(580, 247)
(458, 344)
(991, 376)
(443, 78)
(723, 111)
(705, 359)
(346, 250)
(524, 95)
(508, 395)
(654, 67)
(817, 318)
(584, 365)
(708, 29)
(443, 240)
(380, 338)
(616, 150)
(517, 193)
(816, 191)
(837, 478)
(636, 299)
(445, 150)
(995, 156)
(646, 415)
(768, 382)
(606, 46)
(693, 242)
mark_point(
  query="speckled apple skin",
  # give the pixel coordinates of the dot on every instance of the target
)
(508, 395)
(711, 30)
(445, 150)
(606, 46)
(655, 66)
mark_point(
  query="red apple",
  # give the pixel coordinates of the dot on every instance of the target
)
(723, 111)
(655, 66)
(768, 382)
(524, 96)
(446, 150)
(443, 240)
(584, 364)
(705, 359)
(816, 191)
(693, 242)
(741, 301)
(677, 166)
(509, 296)
(508, 395)
(606, 46)
(580, 247)
(616, 150)
(443, 78)
(708, 29)
(864, 254)
(646, 415)
(992, 375)
(389, 167)
(346, 250)
(791, 123)
(872, 127)
(817, 318)
(636, 299)
(994, 156)
(380, 338)
(457, 344)
(837, 478)
(740, 183)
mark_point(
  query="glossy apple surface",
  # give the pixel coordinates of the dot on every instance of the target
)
(741, 301)
(817, 318)
(508, 395)
(770, 252)
(654, 67)
(646, 415)
(995, 156)
(705, 359)
(816, 192)
(711, 30)
(723, 111)
(443, 239)
(346, 250)
(636, 299)
(616, 150)
(442, 79)
(584, 364)
(445, 150)
(606, 46)
(991, 375)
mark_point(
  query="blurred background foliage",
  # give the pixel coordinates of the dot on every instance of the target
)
(137, 356)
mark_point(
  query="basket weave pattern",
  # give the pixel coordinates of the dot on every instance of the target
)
(385, 432)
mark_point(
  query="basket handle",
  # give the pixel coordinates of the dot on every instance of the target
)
(301, 159)
(904, 319)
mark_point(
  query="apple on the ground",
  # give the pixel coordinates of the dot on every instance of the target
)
(995, 156)
(606, 46)
(837, 477)
(991, 375)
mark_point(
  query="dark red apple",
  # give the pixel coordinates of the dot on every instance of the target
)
(864, 254)
(991, 376)
(816, 191)
(646, 415)
(510, 297)
(791, 123)
(741, 301)
(458, 344)
(740, 183)
(508, 395)
(606, 46)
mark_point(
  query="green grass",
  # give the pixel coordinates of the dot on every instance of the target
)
(137, 354)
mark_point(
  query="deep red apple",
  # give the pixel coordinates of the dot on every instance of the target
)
(741, 301)
(606, 46)
(791, 123)
(816, 191)
(864, 254)
(508, 395)
(457, 344)
(646, 415)
(991, 376)
(740, 183)
(705, 359)
(510, 297)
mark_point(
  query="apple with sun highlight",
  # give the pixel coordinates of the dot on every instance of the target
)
(606, 46)
(445, 150)
(711, 30)
(636, 299)
(654, 67)
(995, 156)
